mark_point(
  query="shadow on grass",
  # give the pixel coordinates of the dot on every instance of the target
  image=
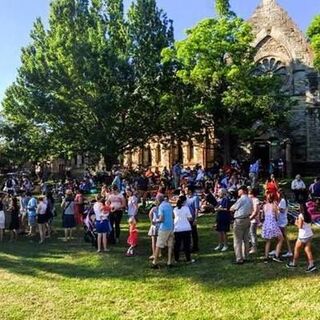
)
(78, 260)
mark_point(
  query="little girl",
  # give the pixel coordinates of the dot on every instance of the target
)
(102, 224)
(154, 228)
(305, 235)
(133, 236)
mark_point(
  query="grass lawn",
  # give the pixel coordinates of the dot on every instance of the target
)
(70, 281)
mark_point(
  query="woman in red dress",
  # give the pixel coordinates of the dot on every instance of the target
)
(133, 237)
(272, 187)
(79, 207)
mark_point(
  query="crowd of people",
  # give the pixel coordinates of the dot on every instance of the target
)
(176, 197)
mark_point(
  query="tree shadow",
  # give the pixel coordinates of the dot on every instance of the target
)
(78, 260)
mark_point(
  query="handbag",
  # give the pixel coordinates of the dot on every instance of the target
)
(64, 209)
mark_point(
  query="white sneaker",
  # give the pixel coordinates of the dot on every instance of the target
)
(225, 248)
(272, 253)
(287, 255)
(219, 247)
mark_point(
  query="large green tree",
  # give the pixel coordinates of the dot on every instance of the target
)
(314, 35)
(91, 81)
(218, 60)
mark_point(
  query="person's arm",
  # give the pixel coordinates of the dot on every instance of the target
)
(282, 206)
(293, 185)
(151, 214)
(255, 211)
(189, 215)
(135, 205)
(196, 209)
(236, 206)
(123, 202)
(299, 222)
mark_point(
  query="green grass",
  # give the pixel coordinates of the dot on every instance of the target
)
(70, 281)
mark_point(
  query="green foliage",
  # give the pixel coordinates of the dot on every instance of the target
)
(314, 35)
(217, 59)
(223, 8)
(90, 83)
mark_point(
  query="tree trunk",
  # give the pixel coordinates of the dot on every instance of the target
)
(109, 160)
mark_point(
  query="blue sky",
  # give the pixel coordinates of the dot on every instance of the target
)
(17, 17)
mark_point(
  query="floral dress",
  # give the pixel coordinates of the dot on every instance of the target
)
(270, 228)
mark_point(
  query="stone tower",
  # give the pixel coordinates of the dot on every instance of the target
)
(283, 49)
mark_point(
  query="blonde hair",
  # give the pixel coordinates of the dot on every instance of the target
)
(132, 220)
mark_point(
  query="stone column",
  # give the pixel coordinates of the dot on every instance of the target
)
(166, 156)
(288, 159)
(128, 159)
(79, 160)
(199, 153)
(210, 152)
(136, 157)
(154, 155)
(186, 153)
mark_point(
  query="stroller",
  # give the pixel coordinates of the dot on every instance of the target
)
(90, 234)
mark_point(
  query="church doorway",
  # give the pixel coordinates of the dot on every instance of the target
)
(261, 150)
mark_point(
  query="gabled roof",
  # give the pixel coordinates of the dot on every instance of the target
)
(271, 21)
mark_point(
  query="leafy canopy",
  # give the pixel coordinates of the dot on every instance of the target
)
(90, 83)
(314, 35)
(217, 59)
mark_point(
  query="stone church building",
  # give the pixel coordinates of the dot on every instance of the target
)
(282, 49)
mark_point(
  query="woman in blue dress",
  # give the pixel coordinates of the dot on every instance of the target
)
(222, 219)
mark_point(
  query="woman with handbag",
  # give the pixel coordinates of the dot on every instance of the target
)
(68, 220)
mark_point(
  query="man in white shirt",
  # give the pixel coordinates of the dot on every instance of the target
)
(299, 189)
(242, 211)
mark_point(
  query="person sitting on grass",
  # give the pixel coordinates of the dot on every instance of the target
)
(165, 235)
(304, 240)
(133, 237)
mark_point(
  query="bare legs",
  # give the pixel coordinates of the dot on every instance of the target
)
(153, 246)
(223, 238)
(102, 239)
(157, 253)
(307, 249)
(42, 232)
(67, 234)
(278, 247)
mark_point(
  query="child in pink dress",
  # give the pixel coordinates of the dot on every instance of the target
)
(133, 237)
